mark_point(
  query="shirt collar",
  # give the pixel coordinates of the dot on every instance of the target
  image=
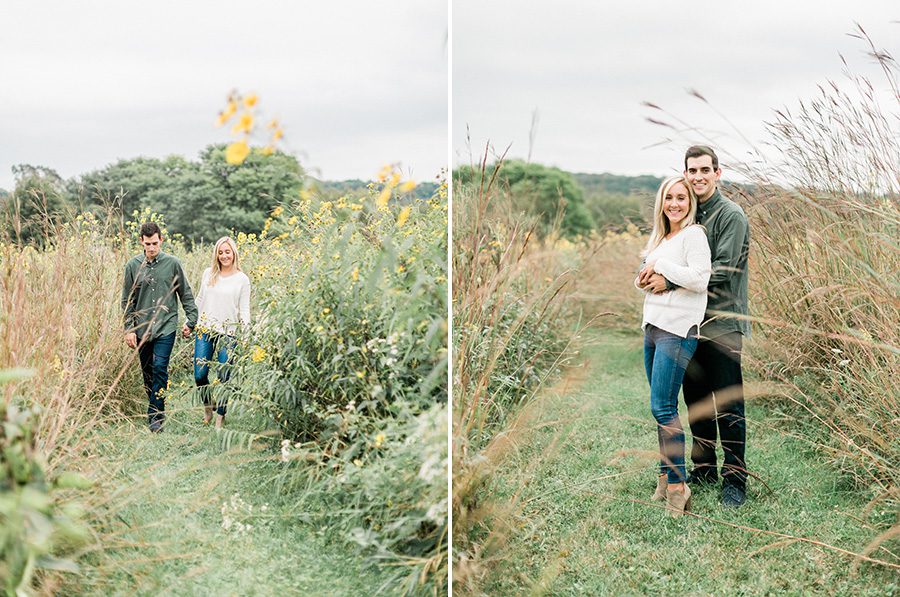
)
(711, 202)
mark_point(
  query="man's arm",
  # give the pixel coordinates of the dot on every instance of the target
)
(729, 252)
(183, 290)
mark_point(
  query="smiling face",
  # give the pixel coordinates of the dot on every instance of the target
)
(702, 176)
(151, 246)
(225, 256)
(676, 205)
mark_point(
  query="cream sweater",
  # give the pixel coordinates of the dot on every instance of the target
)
(223, 306)
(683, 259)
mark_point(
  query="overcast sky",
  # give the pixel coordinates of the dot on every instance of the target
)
(586, 67)
(357, 84)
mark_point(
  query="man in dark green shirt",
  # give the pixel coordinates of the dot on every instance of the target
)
(713, 383)
(154, 283)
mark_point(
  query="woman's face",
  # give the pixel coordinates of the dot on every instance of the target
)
(226, 256)
(677, 203)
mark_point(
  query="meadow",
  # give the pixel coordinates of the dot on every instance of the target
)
(553, 441)
(330, 475)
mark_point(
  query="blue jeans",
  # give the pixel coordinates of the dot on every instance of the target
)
(205, 347)
(666, 356)
(154, 355)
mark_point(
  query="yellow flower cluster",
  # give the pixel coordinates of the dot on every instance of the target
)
(238, 151)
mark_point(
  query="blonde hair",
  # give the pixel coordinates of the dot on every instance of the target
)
(661, 225)
(216, 269)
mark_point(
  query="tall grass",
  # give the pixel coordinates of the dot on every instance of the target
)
(514, 328)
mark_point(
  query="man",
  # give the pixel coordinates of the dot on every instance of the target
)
(713, 383)
(152, 283)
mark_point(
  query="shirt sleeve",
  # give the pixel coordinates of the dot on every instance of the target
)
(183, 289)
(695, 275)
(244, 304)
(729, 251)
(128, 298)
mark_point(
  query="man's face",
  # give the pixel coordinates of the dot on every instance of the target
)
(151, 245)
(702, 176)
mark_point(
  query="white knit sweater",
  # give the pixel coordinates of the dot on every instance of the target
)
(684, 260)
(223, 306)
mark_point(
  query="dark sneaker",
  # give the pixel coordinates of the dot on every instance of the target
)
(699, 478)
(156, 427)
(733, 496)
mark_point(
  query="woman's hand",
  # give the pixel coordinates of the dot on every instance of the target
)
(644, 275)
(185, 331)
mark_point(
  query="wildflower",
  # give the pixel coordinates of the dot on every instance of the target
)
(278, 134)
(360, 374)
(407, 186)
(383, 198)
(244, 123)
(326, 311)
(250, 100)
(267, 150)
(227, 113)
(404, 216)
(379, 440)
(357, 462)
(354, 275)
(258, 355)
(236, 153)
(292, 220)
(277, 211)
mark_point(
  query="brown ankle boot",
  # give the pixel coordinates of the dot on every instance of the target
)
(660, 494)
(679, 501)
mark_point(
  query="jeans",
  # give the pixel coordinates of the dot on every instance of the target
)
(666, 357)
(714, 394)
(154, 355)
(205, 346)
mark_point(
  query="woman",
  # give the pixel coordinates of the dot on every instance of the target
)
(678, 251)
(223, 303)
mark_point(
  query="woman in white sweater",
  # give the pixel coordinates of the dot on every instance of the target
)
(678, 250)
(223, 304)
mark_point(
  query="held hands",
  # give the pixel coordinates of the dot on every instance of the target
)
(131, 339)
(185, 331)
(650, 281)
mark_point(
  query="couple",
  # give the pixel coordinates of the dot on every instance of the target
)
(695, 276)
(154, 283)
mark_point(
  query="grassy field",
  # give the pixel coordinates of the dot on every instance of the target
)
(572, 514)
(173, 495)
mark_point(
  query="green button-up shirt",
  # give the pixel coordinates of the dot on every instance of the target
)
(728, 233)
(149, 294)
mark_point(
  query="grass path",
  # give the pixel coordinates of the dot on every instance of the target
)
(579, 467)
(170, 512)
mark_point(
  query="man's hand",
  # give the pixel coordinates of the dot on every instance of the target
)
(185, 331)
(656, 284)
(131, 339)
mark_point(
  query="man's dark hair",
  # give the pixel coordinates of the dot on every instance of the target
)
(696, 151)
(148, 229)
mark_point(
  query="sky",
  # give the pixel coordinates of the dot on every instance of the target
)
(585, 68)
(356, 84)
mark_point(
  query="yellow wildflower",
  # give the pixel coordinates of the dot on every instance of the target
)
(379, 440)
(407, 186)
(354, 275)
(326, 311)
(360, 374)
(278, 134)
(404, 216)
(244, 123)
(267, 150)
(227, 113)
(292, 220)
(258, 355)
(236, 153)
(383, 198)
(277, 211)
(250, 100)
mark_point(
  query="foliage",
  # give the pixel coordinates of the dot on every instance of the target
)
(540, 191)
(36, 205)
(616, 211)
(36, 527)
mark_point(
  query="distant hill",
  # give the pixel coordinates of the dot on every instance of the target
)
(354, 186)
(617, 184)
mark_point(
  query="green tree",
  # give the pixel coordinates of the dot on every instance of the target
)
(541, 190)
(36, 205)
